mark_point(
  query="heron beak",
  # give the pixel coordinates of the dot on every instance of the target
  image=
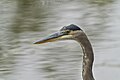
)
(54, 37)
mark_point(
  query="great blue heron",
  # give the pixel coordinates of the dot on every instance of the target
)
(73, 32)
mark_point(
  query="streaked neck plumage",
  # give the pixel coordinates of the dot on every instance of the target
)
(88, 56)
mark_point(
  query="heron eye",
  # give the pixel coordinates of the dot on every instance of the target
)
(67, 31)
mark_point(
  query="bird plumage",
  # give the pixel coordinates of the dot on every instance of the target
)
(73, 32)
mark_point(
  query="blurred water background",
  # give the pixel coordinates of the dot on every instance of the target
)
(22, 22)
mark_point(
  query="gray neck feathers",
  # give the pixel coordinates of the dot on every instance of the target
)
(88, 56)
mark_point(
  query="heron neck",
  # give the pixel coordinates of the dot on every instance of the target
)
(88, 57)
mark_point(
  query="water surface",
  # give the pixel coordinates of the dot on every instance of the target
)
(23, 22)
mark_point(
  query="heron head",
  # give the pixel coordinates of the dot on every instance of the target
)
(66, 33)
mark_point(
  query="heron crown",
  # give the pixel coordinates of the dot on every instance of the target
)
(71, 27)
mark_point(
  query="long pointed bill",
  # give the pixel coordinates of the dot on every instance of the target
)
(54, 37)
